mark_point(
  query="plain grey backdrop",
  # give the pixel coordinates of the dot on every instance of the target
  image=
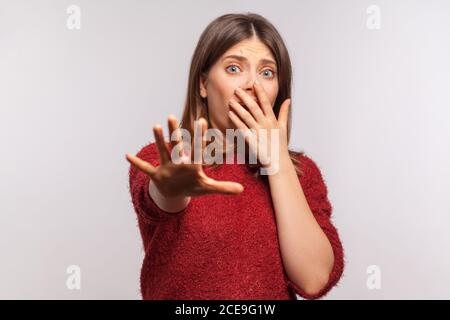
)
(370, 106)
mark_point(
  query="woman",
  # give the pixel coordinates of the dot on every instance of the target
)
(225, 231)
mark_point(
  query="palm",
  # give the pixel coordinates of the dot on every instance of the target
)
(188, 177)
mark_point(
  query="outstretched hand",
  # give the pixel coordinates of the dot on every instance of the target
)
(184, 178)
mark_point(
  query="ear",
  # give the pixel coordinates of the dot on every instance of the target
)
(203, 83)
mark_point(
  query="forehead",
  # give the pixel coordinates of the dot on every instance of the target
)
(250, 48)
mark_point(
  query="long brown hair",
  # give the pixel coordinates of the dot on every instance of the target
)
(220, 35)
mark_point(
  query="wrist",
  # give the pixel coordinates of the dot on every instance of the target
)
(283, 166)
(276, 162)
(167, 203)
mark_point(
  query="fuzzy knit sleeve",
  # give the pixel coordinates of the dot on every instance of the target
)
(316, 194)
(144, 206)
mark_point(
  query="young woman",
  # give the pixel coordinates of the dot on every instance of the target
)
(225, 231)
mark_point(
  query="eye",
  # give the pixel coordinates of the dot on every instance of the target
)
(232, 66)
(270, 72)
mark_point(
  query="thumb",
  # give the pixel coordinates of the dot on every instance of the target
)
(284, 111)
(225, 187)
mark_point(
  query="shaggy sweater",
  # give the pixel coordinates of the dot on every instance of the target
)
(224, 246)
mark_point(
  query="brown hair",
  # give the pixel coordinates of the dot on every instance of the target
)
(220, 35)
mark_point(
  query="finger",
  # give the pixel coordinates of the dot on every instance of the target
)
(236, 120)
(243, 114)
(176, 140)
(140, 164)
(204, 130)
(243, 129)
(264, 100)
(284, 112)
(198, 141)
(252, 105)
(164, 155)
(224, 187)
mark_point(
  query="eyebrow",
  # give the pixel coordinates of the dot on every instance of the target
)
(244, 59)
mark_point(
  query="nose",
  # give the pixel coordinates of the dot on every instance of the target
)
(249, 89)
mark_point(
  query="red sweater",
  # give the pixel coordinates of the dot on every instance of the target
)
(224, 246)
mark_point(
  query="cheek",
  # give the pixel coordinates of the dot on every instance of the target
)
(272, 92)
(221, 91)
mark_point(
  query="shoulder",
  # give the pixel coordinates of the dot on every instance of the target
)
(311, 172)
(314, 186)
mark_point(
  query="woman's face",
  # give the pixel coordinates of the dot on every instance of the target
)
(240, 66)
